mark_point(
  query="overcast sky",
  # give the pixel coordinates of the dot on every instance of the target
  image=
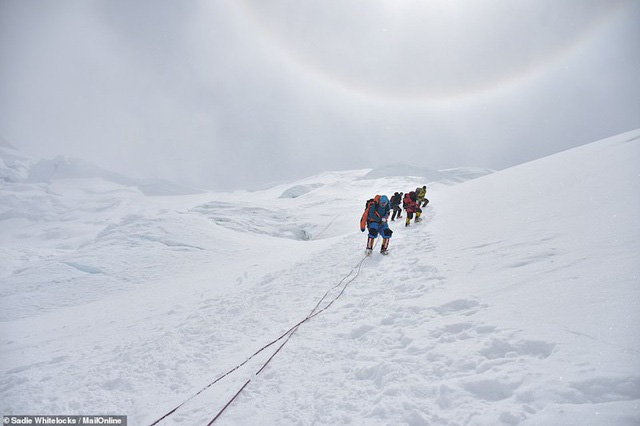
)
(229, 94)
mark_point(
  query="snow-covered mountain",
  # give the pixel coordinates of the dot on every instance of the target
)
(14, 167)
(514, 302)
(17, 168)
(455, 175)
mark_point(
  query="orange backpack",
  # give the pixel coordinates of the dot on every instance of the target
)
(370, 203)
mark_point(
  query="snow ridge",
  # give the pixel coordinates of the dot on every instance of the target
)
(16, 168)
(455, 175)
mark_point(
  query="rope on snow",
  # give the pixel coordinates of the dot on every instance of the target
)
(314, 312)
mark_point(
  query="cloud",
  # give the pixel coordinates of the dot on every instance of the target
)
(231, 94)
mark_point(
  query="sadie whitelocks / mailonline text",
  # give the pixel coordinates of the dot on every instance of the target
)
(65, 420)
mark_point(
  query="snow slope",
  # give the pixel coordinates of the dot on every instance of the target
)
(514, 302)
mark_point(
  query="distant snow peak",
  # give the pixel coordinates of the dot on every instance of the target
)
(44, 171)
(59, 167)
(13, 166)
(449, 176)
(467, 173)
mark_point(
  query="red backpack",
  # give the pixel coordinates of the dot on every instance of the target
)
(409, 203)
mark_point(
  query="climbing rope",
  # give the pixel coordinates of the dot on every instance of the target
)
(288, 334)
(325, 228)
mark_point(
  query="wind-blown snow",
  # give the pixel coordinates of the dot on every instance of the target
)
(514, 302)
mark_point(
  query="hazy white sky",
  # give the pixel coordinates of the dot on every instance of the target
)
(235, 93)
